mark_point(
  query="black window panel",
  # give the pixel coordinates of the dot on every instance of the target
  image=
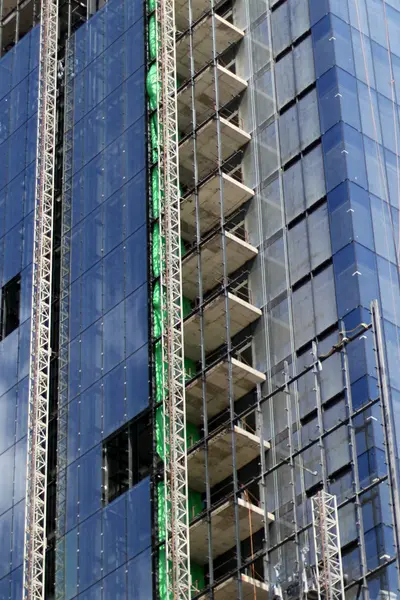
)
(10, 305)
(127, 458)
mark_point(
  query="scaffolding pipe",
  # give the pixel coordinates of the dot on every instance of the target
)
(40, 350)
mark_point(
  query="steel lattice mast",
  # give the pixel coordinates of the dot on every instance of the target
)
(40, 350)
(175, 459)
(328, 558)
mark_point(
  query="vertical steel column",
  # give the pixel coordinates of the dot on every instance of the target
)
(62, 417)
(387, 424)
(175, 459)
(328, 558)
(40, 350)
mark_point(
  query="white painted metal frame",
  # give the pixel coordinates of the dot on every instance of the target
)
(328, 558)
(175, 459)
(40, 350)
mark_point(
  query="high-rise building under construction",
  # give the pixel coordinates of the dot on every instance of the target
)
(200, 299)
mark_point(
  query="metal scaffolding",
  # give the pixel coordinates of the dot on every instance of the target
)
(40, 350)
(328, 558)
(174, 414)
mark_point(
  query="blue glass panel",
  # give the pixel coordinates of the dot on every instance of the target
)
(8, 361)
(354, 152)
(91, 295)
(31, 136)
(12, 253)
(343, 45)
(139, 518)
(139, 576)
(74, 374)
(5, 542)
(94, 125)
(6, 466)
(71, 560)
(135, 201)
(75, 308)
(133, 12)
(389, 289)
(328, 99)
(93, 177)
(135, 149)
(27, 233)
(114, 280)
(114, 21)
(5, 585)
(95, 36)
(324, 53)
(94, 84)
(368, 278)
(18, 535)
(34, 49)
(347, 292)
(73, 430)
(90, 551)
(7, 419)
(19, 106)
(91, 354)
(20, 470)
(134, 48)
(115, 585)
(136, 260)
(318, 9)
(134, 103)
(4, 119)
(114, 399)
(113, 109)
(137, 382)
(93, 593)
(6, 66)
(17, 583)
(24, 349)
(90, 483)
(115, 535)
(14, 206)
(114, 345)
(114, 220)
(334, 156)
(114, 66)
(91, 414)
(72, 495)
(392, 337)
(22, 409)
(92, 239)
(136, 320)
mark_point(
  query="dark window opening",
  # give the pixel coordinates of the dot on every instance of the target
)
(127, 458)
(10, 303)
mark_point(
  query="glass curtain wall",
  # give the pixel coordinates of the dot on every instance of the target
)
(323, 160)
(18, 124)
(107, 542)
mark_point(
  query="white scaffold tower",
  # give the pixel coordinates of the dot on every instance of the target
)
(40, 350)
(328, 558)
(175, 460)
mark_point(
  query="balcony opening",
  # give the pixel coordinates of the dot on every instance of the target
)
(10, 305)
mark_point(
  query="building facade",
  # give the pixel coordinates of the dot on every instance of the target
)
(224, 346)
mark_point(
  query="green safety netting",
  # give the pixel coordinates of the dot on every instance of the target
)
(155, 193)
(152, 85)
(192, 433)
(154, 141)
(152, 37)
(151, 5)
(198, 581)
(195, 507)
